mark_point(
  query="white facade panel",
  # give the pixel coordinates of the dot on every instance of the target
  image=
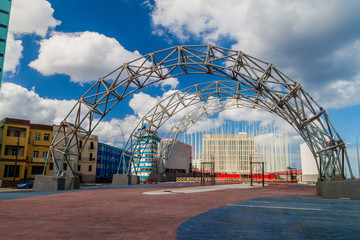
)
(308, 163)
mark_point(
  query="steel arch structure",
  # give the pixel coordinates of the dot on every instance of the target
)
(210, 98)
(273, 89)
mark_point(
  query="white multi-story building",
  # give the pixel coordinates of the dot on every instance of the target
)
(230, 152)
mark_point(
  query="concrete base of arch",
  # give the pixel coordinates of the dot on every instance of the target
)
(347, 189)
(54, 183)
(124, 179)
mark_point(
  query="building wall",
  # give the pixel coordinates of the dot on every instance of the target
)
(13, 131)
(29, 164)
(145, 155)
(86, 165)
(108, 160)
(5, 7)
(39, 142)
(230, 152)
(308, 164)
(179, 159)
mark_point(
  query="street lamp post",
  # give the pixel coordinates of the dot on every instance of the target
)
(123, 137)
(357, 148)
(16, 159)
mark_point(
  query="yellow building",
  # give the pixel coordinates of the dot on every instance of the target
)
(23, 145)
(39, 143)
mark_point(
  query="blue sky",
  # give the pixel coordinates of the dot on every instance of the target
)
(56, 49)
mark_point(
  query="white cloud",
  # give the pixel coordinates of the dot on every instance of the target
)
(172, 82)
(313, 42)
(13, 54)
(115, 131)
(142, 103)
(18, 102)
(27, 17)
(84, 56)
(35, 16)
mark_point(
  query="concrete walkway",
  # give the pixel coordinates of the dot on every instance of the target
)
(202, 189)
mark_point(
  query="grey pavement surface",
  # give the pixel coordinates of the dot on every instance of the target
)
(283, 217)
(9, 194)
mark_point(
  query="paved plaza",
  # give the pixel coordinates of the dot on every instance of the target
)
(179, 211)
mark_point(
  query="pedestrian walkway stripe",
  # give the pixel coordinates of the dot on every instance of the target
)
(292, 208)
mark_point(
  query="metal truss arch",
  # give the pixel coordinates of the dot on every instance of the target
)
(267, 85)
(210, 98)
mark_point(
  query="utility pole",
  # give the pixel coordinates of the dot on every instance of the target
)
(357, 148)
(123, 151)
(16, 159)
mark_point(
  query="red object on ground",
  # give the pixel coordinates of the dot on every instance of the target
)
(118, 213)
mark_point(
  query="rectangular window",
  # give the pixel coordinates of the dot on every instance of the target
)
(91, 157)
(79, 168)
(36, 154)
(37, 136)
(37, 170)
(8, 133)
(46, 137)
(14, 152)
(9, 171)
(4, 12)
(51, 166)
(91, 145)
(80, 144)
(44, 155)
(90, 168)
(65, 166)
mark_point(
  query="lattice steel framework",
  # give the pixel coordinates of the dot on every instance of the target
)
(269, 88)
(224, 95)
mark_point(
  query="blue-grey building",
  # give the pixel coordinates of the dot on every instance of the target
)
(108, 159)
(145, 148)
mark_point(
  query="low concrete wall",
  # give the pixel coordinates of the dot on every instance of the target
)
(72, 183)
(124, 179)
(309, 178)
(54, 183)
(159, 177)
(48, 183)
(88, 178)
(339, 189)
(171, 177)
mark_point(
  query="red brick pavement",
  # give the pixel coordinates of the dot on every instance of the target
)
(117, 213)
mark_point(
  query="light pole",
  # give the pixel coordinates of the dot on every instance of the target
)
(123, 151)
(357, 148)
(16, 159)
(122, 132)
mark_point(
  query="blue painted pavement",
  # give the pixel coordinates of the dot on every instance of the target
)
(282, 217)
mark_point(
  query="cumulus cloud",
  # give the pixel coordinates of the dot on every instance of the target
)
(27, 17)
(13, 54)
(18, 102)
(84, 56)
(315, 43)
(35, 16)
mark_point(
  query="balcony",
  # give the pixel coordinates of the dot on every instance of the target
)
(13, 141)
(41, 143)
(38, 160)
